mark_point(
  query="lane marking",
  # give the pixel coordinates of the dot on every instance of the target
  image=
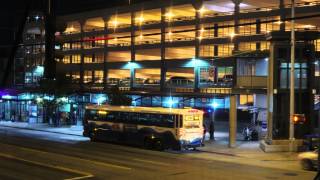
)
(72, 157)
(152, 162)
(60, 168)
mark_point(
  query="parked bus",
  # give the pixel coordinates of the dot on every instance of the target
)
(151, 127)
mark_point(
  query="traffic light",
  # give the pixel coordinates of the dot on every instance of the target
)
(298, 119)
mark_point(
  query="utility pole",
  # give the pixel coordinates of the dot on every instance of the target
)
(292, 86)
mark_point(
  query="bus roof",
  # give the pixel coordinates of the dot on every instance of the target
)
(160, 110)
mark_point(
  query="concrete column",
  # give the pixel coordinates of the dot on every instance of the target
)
(282, 15)
(105, 53)
(233, 121)
(163, 50)
(270, 92)
(197, 48)
(258, 31)
(82, 24)
(236, 22)
(133, 53)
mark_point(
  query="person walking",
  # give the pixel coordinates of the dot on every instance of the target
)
(204, 133)
(211, 130)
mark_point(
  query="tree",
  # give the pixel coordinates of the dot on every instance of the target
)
(53, 93)
(116, 98)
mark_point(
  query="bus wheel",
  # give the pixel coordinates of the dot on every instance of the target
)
(147, 144)
(158, 145)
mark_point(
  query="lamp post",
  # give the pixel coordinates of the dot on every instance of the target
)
(292, 86)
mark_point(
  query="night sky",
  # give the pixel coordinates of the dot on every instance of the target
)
(11, 14)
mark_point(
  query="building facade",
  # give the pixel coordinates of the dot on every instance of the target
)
(179, 53)
(191, 53)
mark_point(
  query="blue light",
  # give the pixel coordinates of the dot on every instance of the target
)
(39, 71)
(7, 97)
(196, 63)
(99, 98)
(214, 105)
(24, 96)
(131, 65)
(170, 102)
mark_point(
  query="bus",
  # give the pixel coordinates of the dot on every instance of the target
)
(151, 127)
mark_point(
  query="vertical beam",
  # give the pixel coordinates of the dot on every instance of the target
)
(105, 54)
(233, 121)
(197, 47)
(82, 24)
(236, 22)
(282, 15)
(133, 53)
(163, 50)
(258, 31)
(270, 91)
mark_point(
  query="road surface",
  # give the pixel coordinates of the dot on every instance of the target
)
(26, 154)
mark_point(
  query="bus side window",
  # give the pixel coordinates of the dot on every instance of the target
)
(167, 121)
(124, 117)
(134, 118)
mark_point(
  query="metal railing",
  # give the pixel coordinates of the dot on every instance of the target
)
(179, 83)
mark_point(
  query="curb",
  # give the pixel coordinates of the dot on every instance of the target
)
(220, 153)
(41, 130)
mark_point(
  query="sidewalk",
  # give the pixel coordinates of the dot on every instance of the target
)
(246, 152)
(73, 130)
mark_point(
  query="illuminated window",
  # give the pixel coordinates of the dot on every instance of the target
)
(180, 33)
(317, 68)
(87, 77)
(317, 44)
(99, 58)
(66, 46)
(264, 45)
(270, 26)
(247, 46)
(75, 76)
(76, 44)
(66, 59)
(98, 77)
(246, 100)
(207, 51)
(247, 29)
(300, 75)
(225, 50)
(88, 59)
(76, 59)
(87, 44)
(99, 42)
(224, 30)
(147, 77)
(180, 13)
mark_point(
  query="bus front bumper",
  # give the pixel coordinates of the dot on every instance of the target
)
(191, 143)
